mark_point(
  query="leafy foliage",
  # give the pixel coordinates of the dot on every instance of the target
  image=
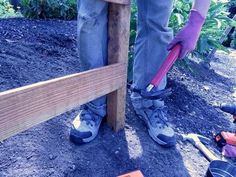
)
(232, 4)
(62, 9)
(132, 39)
(6, 9)
(233, 42)
(216, 22)
(232, 35)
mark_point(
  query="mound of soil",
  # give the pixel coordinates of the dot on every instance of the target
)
(35, 50)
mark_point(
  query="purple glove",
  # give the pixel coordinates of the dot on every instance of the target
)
(229, 151)
(189, 34)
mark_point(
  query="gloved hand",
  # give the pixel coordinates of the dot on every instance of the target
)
(189, 34)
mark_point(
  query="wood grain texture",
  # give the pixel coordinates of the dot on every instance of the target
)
(27, 106)
(119, 26)
(125, 2)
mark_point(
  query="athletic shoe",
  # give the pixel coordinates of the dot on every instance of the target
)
(152, 113)
(85, 126)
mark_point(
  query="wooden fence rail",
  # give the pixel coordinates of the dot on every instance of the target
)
(24, 107)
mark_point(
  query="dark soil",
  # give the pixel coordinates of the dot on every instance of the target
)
(35, 50)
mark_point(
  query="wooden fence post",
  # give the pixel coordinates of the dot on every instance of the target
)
(24, 107)
(119, 26)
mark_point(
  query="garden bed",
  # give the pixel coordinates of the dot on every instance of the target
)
(35, 50)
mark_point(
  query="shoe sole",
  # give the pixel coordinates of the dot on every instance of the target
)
(78, 140)
(160, 142)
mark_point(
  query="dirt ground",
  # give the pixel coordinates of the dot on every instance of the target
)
(34, 50)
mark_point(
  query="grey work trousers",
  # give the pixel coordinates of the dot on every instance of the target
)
(153, 35)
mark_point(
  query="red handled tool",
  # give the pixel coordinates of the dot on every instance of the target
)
(165, 67)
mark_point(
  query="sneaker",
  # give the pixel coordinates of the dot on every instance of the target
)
(85, 126)
(152, 113)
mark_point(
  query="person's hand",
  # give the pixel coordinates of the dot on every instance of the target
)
(189, 34)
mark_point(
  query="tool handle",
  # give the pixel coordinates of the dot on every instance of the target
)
(168, 63)
(209, 155)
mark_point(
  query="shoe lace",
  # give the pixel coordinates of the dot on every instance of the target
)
(88, 117)
(158, 117)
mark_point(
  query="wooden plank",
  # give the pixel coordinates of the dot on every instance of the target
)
(119, 25)
(124, 2)
(27, 106)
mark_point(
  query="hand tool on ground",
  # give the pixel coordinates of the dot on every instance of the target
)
(229, 108)
(193, 138)
(152, 93)
(217, 167)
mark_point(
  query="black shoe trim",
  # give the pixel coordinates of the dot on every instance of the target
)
(76, 140)
(78, 137)
(168, 142)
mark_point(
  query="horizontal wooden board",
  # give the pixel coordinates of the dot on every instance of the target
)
(27, 106)
(125, 2)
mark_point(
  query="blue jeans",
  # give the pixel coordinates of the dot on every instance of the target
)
(153, 35)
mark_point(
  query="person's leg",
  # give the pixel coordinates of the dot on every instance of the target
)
(92, 47)
(92, 41)
(153, 36)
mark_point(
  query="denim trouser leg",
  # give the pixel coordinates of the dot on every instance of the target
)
(92, 41)
(153, 35)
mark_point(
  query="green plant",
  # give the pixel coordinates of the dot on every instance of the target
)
(232, 39)
(132, 39)
(6, 9)
(232, 4)
(232, 35)
(62, 9)
(216, 22)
